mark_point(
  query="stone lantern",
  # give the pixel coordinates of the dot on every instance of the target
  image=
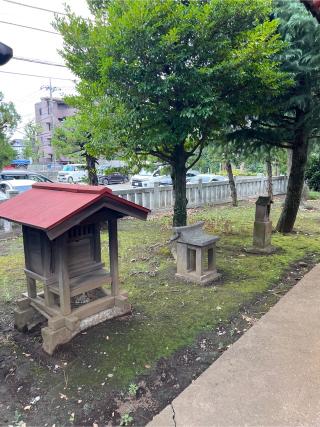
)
(196, 254)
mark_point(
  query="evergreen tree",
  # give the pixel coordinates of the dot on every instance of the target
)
(294, 121)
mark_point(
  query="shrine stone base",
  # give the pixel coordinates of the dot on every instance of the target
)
(261, 251)
(202, 280)
(61, 329)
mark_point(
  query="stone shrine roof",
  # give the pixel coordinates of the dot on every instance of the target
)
(264, 201)
(194, 235)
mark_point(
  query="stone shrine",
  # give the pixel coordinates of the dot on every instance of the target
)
(196, 254)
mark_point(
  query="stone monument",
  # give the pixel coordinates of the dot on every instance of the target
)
(262, 229)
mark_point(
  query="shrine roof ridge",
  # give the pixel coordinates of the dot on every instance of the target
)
(48, 205)
(74, 188)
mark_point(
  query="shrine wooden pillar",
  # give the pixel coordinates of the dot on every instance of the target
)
(63, 275)
(113, 255)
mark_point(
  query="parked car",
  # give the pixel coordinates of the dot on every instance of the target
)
(73, 173)
(22, 174)
(206, 178)
(20, 185)
(112, 178)
(3, 197)
(142, 176)
(147, 179)
(163, 180)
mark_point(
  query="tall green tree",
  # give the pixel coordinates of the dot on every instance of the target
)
(177, 71)
(9, 119)
(31, 141)
(294, 122)
(73, 140)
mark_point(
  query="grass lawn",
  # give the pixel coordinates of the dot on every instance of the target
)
(167, 314)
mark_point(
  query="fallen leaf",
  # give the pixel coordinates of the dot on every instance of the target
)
(35, 400)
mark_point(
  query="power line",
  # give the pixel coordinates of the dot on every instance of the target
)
(30, 28)
(35, 7)
(38, 61)
(34, 75)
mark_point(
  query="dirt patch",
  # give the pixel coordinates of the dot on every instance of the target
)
(23, 384)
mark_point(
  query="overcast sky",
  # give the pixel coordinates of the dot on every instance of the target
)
(25, 91)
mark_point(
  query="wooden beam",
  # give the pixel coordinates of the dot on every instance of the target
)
(31, 287)
(63, 274)
(113, 255)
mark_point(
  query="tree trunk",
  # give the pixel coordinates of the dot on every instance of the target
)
(179, 181)
(269, 175)
(91, 168)
(295, 184)
(232, 183)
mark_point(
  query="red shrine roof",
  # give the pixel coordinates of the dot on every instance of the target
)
(47, 205)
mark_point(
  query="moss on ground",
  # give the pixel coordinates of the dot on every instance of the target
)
(169, 314)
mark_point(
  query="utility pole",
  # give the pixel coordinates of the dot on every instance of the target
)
(51, 90)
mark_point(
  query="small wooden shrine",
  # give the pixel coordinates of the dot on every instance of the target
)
(61, 233)
(196, 254)
(262, 229)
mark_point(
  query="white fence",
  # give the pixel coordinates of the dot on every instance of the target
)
(202, 194)
(158, 198)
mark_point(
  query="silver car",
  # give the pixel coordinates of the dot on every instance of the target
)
(206, 178)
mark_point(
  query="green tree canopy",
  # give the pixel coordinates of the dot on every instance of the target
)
(176, 72)
(9, 120)
(31, 141)
(294, 121)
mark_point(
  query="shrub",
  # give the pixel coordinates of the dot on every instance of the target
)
(313, 173)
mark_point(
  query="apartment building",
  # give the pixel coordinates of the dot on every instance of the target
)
(49, 113)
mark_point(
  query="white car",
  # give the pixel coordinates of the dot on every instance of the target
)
(206, 178)
(20, 185)
(73, 173)
(147, 179)
(143, 176)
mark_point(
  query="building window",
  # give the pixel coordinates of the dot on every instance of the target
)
(40, 111)
(49, 126)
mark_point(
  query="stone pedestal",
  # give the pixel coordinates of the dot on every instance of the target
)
(61, 329)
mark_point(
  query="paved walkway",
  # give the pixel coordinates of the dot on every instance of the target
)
(269, 377)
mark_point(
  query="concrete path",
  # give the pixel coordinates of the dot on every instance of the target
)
(269, 377)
